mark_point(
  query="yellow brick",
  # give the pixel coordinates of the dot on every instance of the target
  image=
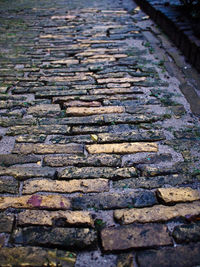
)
(92, 111)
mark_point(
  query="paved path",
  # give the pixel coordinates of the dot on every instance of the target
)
(99, 149)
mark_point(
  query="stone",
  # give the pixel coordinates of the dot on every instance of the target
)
(30, 139)
(153, 182)
(49, 110)
(114, 200)
(80, 238)
(97, 172)
(130, 118)
(22, 173)
(135, 236)
(8, 122)
(187, 233)
(9, 159)
(76, 160)
(173, 195)
(77, 103)
(123, 148)
(149, 171)
(125, 260)
(8, 185)
(122, 80)
(35, 201)
(40, 129)
(179, 256)
(6, 222)
(131, 136)
(49, 218)
(36, 256)
(83, 186)
(81, 111)
(47, 149)
(157, 213)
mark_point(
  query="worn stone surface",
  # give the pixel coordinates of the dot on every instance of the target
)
(173, 195)
(157, 213)
(91, 111)
(84, 186)
(100, 172)
(60, 237)
(125, 260)
(187, 233)
(180, 256)
(49, 218)
(35, 201)
(47, 149)
(9, 159)
(6, 222)
(31, 139)
(124, 148)
(36, 256)
(42, 129)
(135, 236)
(23, 173)
(44, 110)
(9, 185)
(115, 200)
(76, 160)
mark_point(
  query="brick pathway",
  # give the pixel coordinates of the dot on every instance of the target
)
(99, 149)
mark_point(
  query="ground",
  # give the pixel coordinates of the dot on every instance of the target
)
(99, 138)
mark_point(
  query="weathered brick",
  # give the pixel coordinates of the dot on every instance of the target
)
(9, 185)
(9, 159)
(41, 129)
(6, 223)
(179, 256)
(47, 149)
(81, 111)
(160, 170)
(35, 201)
(76, 160)
(43, 217)
(22, 173)
(153, 182)
(30, 139)
(122, 80)
(84, 186)
(8, 122)
(125, 260)
(135, 236)
(36, 256)
(123, 148)
(79, 103)
(44, 110)
(187, 233)
(115, 200)
(173, 195)
(97, 172)
(157, 213)
(59, 237)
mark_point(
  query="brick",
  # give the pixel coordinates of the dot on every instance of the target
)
(9, 185)
(125, 260)
(41, 129)
(97, 172)
(114, 91)
(122, 80)
(9, 159)
(60, 237)
(44, 110)
(49, 218)
(123, 148)
(6, 222)
(153, 182)
(22, 173)
(157, 213)
(135, 236)
(65, 61)
(179, 256)
(47, 149)
(79, 111)
(30, 139)
(187, 233)
(77, 103)
(35, 201)
(84, 186)
(8, 122)
(114, 200)
(155, 171)
(35, 256)
(173, 195)
(76, 160)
